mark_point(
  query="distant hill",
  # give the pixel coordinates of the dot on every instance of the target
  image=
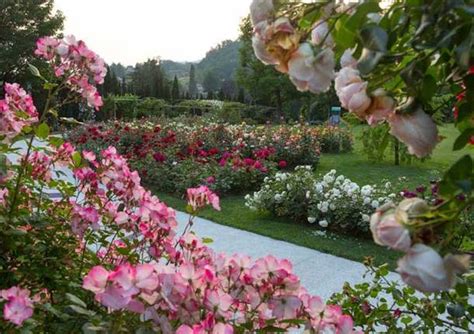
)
(222, 61)
(172, 68)
(215, 70)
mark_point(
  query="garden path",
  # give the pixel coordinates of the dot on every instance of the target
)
(321, 274)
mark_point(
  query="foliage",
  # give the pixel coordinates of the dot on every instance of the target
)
(22, 23)
(384, 305)
(333, 202)
(149, 80)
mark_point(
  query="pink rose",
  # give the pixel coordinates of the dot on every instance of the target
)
(351, 91)
(416, 130)
(320, 34)
(260, 10)
(309, 71)
(425, 270)
(347, 60)
(388, 231)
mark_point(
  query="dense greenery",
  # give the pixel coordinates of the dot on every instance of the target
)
(22, 22)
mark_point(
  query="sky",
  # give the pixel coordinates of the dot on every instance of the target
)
(131, 31)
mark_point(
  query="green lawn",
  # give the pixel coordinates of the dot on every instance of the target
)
(356, 166)
(353, 165)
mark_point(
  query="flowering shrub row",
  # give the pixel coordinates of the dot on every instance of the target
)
(333, 202)
(174, 156)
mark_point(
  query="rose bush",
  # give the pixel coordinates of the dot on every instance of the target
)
(333, 202)
(173, 156)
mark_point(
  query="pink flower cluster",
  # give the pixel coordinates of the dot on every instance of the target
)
(417, 130)
(209, 293)
(201, 196)
(16, 111)
(40, 164)
(421, 267)
(72, 60)
(18, 306)
(132, 209)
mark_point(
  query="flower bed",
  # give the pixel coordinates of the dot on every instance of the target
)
(333, 202)
(173, 156)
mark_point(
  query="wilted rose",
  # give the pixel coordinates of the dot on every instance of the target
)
(310, 72)
(416, 130)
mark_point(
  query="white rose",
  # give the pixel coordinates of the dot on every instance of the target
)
(323, 223)
(311, 220)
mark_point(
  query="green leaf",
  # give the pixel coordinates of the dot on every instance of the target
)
(458, 177)
(429, 88)
(56, 141)
(70, 120)
(374, 38)
(42, 131)
(207, 240)
(462, 290)
(77, 159)
(368, 60)
(360, 14)
(463, 139)
(49, 85)
(75, 300)
(81, 310)
(456, 310)
(34, 70)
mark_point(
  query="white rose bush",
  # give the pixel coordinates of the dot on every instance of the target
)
(331, 201)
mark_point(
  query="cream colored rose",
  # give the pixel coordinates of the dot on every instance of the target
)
(425, 270)
(309, 71)
(416, 130)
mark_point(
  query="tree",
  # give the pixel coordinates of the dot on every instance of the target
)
(22, 22)
(192, 89)
(149, 80)
(210, 82)
(175, 91)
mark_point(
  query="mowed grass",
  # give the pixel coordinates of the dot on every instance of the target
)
(353, 165)
(357, 167)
